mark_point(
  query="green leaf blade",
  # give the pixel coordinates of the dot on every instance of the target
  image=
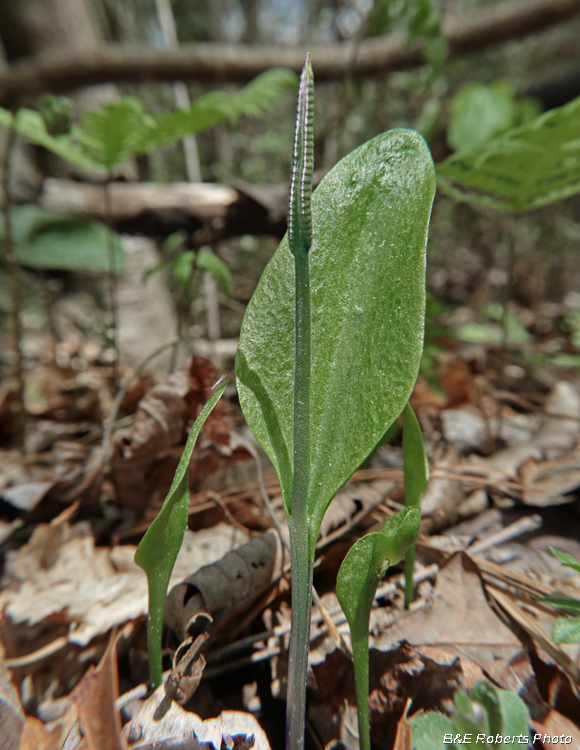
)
(209, 262)
(367, 561)
(158, 550)
(367, 272)
(522, 169)
(567, 560)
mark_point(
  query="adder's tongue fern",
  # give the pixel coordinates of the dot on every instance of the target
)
(300, 240)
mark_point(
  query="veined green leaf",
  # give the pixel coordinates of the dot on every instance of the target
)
(525, 168)
(367, 279)
(111, 134)
(158, 550)
(31, 126)
(215, 107)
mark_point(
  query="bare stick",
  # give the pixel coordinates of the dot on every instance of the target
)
(15, 290)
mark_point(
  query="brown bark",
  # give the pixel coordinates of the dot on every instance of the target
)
(212, 62)
(156, 209)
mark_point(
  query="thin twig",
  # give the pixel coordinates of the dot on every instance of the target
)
(15, 289)
(112, 278)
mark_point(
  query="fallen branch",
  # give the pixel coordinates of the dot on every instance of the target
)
(212, 62)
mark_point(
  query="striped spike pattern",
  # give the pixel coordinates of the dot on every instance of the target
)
(299, 211)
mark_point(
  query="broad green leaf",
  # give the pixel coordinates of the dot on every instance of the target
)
(416, 465)
(567, 560)
(525, 168)
(429, 731)
(208, 261)
(31, 126)
(367, 561)
(367, 281)
(566, 630)
(565, 603)
(48, 239)
(215, 107)
(158, 550)
(480, 112)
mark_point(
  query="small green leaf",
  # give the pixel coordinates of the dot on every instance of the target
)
(6, 118)
(56, 111)
(565, 603)
(158, 550)
(208, 261)
(48, 239)
(32, 127)
(567, 560)
(480, 112)
(110, 134)
(215, 107)
(506, 712)
(566, 630)
(524, 168)
(367, 280)
(367, 561)
(429, 731)
(363, 567)
(182, 267)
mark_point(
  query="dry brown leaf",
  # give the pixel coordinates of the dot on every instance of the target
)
(459, 621)
(95, 697)
(556, 724)
(404, 738)
(160, 721)
(35, 736)
(228, 586)
(60, 575)
(11, 714)
(160, 425)
(549, 482)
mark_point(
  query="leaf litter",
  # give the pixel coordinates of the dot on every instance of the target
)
(502, 492)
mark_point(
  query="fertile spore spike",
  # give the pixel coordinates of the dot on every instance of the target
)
(299, 212)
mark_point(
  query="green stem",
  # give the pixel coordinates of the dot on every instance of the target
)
(409, 570)
(360, 657)
(300, 239)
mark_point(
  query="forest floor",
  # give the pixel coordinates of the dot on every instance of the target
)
(501, 421)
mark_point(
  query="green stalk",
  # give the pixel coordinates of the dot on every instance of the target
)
(300, 239)
(416, 476)
(360, 657)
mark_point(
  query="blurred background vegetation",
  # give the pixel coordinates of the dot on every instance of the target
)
(493, 276)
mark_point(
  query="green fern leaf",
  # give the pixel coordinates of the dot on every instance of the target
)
(525, 168)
